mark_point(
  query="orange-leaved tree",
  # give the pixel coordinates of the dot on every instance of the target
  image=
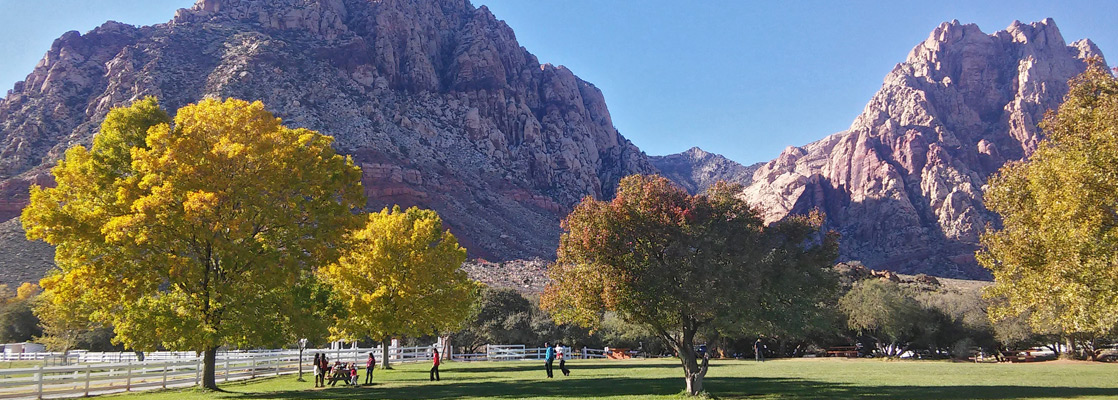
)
(683, 264)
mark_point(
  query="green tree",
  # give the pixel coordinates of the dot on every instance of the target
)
(195, 234)
(64, 323)
(498, 316)
(17, 321)
(677, 264)
(400, 275)
(882, 310)
(1055, 256)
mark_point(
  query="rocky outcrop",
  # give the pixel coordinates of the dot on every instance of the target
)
(696, 170)
(525, 276)
(904, 184)
(436, 101)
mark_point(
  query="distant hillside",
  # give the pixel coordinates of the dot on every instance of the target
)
(696, 170)
(21, 260)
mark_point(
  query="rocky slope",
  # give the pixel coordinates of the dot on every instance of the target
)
(903, 185)
(696, 170)
(435, 100)
(21, 260)
(525, 276)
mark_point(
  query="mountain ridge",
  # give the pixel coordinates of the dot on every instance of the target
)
(442, 108)
(903, 185)
(696, 169)
(435, 100)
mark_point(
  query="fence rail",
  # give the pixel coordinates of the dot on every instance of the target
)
(104, 373)
(102, 378)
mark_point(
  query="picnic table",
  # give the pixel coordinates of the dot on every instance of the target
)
(1015, 357)
(843, 351)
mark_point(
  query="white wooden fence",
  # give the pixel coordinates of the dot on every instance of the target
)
(103, 373)
(520, 352)
(81, 356)
(101, 378)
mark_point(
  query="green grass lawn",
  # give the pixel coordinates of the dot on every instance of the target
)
(644, 379)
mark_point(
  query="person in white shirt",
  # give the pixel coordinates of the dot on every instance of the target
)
(562, 360)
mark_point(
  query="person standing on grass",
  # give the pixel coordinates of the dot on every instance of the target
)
(316, 370)
(353, 373)
(759, 350)
(435, 366)
(369, 364)
(549, 358)
(562, 360)
(324, 368)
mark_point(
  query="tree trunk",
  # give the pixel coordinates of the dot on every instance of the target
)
(693, 371)
(384, 353)
(445, 352)
(1069, 352)
(300, 363)
(209, 365)
(1055, 347)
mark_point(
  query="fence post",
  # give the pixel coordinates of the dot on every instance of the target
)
(165, 376)
(198, 372)
(39, 382)
(278, 365)
(252, 369)
(584, 354)
(226, 377)
(87, 371)
(128, 380)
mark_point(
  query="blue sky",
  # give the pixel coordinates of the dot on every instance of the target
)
(744, 79)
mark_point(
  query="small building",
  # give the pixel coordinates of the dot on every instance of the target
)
(25, 347)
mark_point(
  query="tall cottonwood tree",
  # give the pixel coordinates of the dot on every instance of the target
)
(399, 275)
(196, 233)
(1055, 256)
(678, 264)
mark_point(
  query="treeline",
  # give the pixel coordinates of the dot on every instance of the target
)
(884, 315)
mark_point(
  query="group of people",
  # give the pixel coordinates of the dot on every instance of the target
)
(347, 372)
(339, 372)
(552, 353)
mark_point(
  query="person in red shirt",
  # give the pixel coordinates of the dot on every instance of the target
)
(369, 364)
(435, 368)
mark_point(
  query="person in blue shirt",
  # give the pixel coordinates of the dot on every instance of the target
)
(549, 358)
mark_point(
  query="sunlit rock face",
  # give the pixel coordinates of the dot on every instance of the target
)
(904, 184)
(435, 100)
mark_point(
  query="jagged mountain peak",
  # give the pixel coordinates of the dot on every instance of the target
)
(904, 184)
(696, 169)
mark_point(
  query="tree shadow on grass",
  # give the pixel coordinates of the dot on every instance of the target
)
(572, 365)
(799, 388)
(721, 387)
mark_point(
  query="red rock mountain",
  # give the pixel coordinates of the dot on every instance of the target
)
(435, 100)
(443, 109)
(904, 184)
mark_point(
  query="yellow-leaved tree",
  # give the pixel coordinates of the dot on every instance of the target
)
(400, 276)
(1055, 257)
(199, 232)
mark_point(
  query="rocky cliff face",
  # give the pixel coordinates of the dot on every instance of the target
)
(435, 100)
(904, 184)
(696, 170)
